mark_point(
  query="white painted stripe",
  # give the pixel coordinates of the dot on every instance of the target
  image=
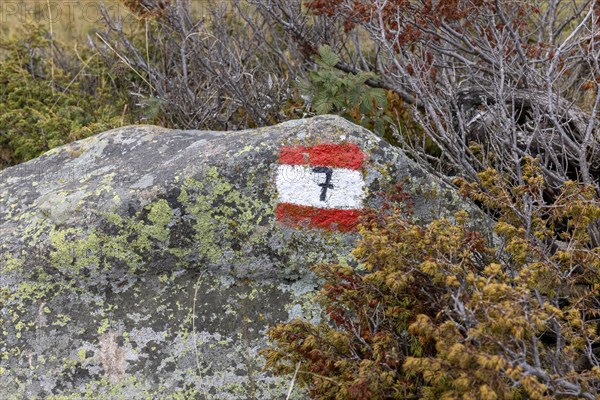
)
(299, 184)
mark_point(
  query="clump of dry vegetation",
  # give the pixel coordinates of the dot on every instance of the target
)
(436, 312)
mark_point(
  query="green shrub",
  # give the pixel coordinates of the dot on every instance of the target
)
(333, 91)
(50, 96)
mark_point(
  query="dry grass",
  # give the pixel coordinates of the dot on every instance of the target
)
(71, 21)
(68, 20)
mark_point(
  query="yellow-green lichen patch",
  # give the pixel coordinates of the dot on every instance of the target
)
(221, 213)
(71, 252)
(75, 249)
(10, 264)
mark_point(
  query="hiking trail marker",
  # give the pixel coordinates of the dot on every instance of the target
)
(320, 186)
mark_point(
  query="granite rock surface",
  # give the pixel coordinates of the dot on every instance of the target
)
(147, 263)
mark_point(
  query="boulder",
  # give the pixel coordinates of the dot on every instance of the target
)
(148, 263)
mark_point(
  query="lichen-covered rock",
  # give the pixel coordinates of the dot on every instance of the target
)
(147, 263)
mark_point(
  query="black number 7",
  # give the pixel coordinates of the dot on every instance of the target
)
(327, 184)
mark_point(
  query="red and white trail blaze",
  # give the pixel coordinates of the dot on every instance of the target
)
(320, 186)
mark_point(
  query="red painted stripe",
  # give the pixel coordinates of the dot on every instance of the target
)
(347, 155)
(312, 217)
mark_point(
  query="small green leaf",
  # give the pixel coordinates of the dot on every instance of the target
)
(322, 105)
(379, 96)
(328, 56)
(362, 77)
(366, 106)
